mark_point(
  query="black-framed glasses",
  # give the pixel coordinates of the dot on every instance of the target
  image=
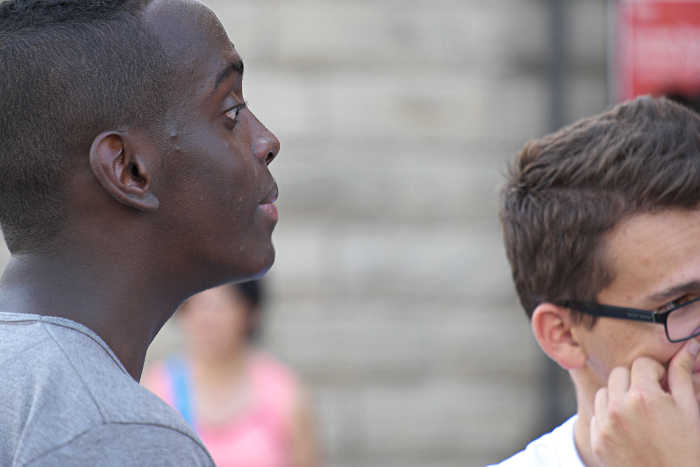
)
(681, 322)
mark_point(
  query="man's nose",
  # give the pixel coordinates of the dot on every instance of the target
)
(266, 146)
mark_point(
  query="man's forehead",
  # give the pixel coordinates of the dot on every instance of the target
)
(187, 28)
(657, 253)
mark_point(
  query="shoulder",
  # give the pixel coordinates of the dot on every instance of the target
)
(22, 336)
(65, 382)
(554, 449)
(120, 444)
(103, 382)
(39, 377)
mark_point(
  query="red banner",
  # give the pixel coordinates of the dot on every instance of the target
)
(658, 48)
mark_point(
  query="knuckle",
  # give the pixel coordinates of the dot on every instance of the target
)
(615, 417)
(639, 397)
(646, 364)
(644, 399)
(604, 440)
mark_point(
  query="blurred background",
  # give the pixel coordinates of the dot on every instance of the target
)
(391, 293)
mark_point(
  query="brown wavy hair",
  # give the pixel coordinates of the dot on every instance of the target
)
(569, 189)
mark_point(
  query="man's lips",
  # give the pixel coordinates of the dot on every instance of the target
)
(268, 203)
(270, 209)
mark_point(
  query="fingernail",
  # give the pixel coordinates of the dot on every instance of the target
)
(694, 347)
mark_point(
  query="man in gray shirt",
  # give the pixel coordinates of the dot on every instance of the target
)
(132, 175)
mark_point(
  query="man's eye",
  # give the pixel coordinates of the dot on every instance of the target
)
(235, 112)
(677, 302)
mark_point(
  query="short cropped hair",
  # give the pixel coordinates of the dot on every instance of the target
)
(69, 70)
(566, 191)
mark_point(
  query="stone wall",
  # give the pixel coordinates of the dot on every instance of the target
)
(391, 293)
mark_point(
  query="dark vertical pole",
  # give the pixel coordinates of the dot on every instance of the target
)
(554, 411)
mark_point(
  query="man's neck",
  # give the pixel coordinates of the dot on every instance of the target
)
(582, 438)
(586, 389)
(125, 309)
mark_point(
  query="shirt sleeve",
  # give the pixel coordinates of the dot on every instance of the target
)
(121, 445)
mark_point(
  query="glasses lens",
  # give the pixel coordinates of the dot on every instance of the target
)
(684, 322)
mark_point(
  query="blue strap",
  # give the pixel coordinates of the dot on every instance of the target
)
(181, 391)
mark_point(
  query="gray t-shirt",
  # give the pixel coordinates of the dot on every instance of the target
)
(66, 400)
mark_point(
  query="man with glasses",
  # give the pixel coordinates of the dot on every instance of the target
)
(602, 229)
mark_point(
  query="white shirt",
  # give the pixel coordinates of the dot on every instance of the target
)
(555, 449)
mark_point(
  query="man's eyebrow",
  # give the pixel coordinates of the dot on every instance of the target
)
(231, 68)
(676, 291)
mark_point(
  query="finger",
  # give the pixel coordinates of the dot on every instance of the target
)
(598, 421)
(680, 370)
(595, 434)
(618, 384)
(646, 371)
(600, 405)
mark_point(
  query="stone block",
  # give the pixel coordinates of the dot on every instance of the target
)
(395, 188)
(391, 339)
(362, 259)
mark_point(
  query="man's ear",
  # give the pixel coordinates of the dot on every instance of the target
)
(117, 163)
(552, 327)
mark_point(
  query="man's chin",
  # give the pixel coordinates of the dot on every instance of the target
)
(261, 267)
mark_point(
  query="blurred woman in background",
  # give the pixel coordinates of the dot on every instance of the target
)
(249, 409)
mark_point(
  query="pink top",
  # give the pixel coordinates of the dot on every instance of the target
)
(260, 435)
